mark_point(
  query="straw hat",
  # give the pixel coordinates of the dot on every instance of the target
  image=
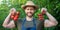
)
(29, 3)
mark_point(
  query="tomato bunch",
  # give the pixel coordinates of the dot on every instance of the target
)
(15, 16)
(40, 17)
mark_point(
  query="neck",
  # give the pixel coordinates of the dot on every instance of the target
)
(29, 18)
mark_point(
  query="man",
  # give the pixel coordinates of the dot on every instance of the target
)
(29, 22)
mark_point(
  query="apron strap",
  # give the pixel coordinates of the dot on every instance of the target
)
(34, 22)
(24, 21)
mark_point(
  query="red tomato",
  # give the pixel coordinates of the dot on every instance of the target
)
(39, 14)
(12, 17)
(41, 19)
(15, 18)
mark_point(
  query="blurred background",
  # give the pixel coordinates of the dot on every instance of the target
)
(53, 7)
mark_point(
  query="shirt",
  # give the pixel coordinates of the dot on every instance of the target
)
(39, 24)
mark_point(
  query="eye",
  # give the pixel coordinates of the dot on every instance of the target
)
(31, 9)
(27, 9)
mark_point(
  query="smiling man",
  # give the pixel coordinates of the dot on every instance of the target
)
(29, 22)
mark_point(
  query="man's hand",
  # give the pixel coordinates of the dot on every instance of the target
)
(12, 11)
(14, 14)
(43, 11)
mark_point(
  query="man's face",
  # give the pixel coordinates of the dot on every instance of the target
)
(29, 11)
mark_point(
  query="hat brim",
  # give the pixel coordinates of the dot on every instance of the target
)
(24, 6)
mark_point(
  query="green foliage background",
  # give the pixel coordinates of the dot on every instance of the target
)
(53, 7)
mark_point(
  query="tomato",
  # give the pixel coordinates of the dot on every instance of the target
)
(40, 17)
(15, 18)
(12, 17)
(39, 14)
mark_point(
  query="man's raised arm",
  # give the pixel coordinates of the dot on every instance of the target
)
(7, 22)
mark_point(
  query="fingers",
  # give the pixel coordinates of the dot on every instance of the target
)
(43, 11)
(13, 10)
